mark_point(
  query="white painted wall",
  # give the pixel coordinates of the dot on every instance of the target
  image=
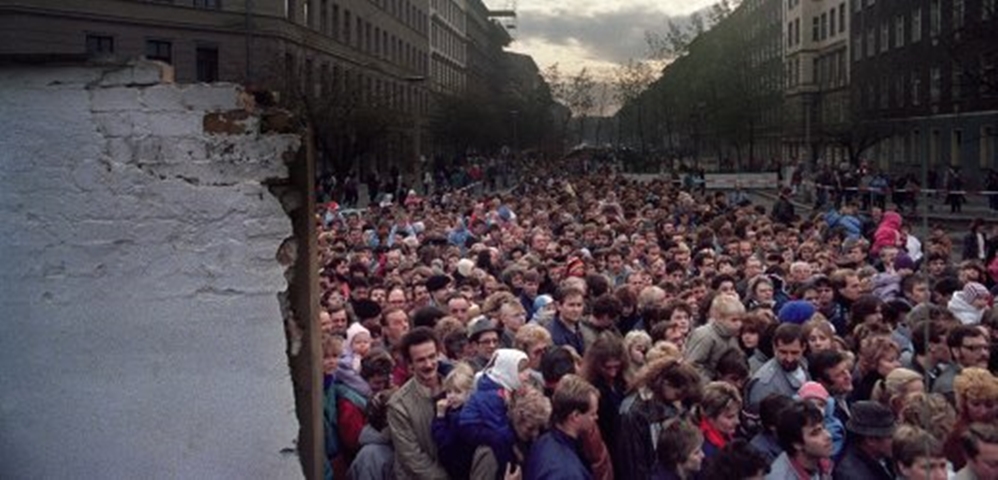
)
(141, 335)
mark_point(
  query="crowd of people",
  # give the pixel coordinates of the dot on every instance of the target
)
(586, 326)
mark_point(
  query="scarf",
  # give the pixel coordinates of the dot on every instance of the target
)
(713, 435)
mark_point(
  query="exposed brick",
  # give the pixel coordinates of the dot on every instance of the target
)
(234, 122)
(277, 121)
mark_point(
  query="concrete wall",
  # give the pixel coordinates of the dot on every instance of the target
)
(141, 334)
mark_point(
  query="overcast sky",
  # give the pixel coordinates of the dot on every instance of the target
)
(591, 33)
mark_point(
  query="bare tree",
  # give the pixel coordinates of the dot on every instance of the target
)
(630, 81)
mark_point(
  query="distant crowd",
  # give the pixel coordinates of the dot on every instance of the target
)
(578, 325)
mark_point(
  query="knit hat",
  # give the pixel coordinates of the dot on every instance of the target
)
(465, 266)
(974, 291)
(812, 390)
(354, 330)
(904, 262)
(797, 311)
(542, 301)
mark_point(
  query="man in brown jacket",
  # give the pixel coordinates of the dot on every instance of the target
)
(411, 409)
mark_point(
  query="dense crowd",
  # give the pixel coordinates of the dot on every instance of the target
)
(581, 325)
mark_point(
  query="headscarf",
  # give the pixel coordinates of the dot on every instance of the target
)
(504, 367)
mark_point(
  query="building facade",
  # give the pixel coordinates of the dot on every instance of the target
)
(338, 55)
(759, 23)
(448, 45)
(816, 43)
(485, 72)
(924, 74)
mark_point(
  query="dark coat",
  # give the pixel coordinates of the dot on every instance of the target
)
(561, 335)
(556, 456)
(634, 453)
(855, 465)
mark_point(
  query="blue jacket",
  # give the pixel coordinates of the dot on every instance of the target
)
(484, 421)
(852, 225)
(454, 454)
(561, 335)
(556, 456)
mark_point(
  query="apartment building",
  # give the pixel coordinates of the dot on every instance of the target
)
(925, 73)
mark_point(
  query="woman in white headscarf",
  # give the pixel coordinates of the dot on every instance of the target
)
(484, 419)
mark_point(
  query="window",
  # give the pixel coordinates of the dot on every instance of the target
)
(797, 31)
(824, 26)
(207, 64)
(916, 25)
(790, 34)
(899, 31)
(916, 146)
(935, 18)
(323, 16)
(815, 29)
(871, 42)
(885, 93)
(347, 38)
(159, 50)
(916, 89)
(360, 32)
(935, 84)
(956, 89)
(208, 4)
(335, 22)
(958, 14)
(885, 37)
(842, 17)
(857, 47)
(100, 44)
(831, 23)
(899, 93)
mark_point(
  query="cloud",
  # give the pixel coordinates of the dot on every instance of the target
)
(594, 34)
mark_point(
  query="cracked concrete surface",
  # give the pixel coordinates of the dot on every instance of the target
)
(142, 335)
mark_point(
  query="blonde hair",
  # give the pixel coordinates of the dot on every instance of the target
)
(530, 407)
(874, 348)
(726, 306)
(892, 387)
(530, 335)
(494, 302)
(974, 383)
(929, 411)
(717, 398)
(635, 338)
(663, 350)
(460, 379)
